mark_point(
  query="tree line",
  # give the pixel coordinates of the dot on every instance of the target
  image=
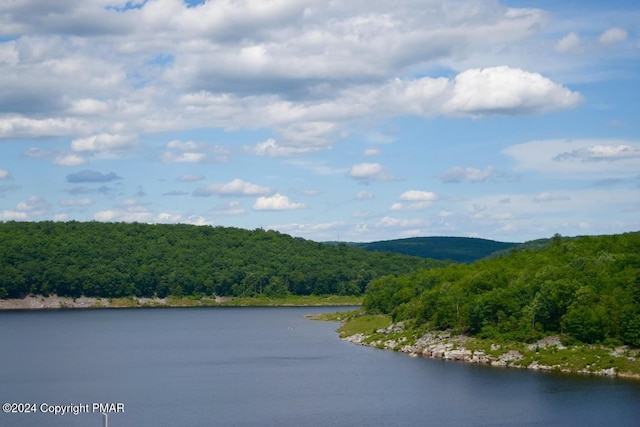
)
(134, 259)
(585, 288)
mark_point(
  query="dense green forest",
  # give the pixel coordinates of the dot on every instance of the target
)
(119, 260)
(585, 288)
(457, 249)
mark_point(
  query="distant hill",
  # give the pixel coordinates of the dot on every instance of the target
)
(458, 249)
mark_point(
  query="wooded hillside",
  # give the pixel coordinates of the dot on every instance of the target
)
(458, 249)
(587, 288)
(119, 259)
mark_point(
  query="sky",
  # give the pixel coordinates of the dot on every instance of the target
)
(328, 120)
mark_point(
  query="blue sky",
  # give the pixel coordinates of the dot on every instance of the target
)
(508, 120)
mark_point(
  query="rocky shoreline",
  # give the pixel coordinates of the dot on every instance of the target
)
(445, 346)
(51, 302)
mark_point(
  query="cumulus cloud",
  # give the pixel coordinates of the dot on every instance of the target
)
(271, 148)
(569, 43)
(369, 172)
(371, 151)
(131, 211)
(91, 176)
(236, 187)
(103, 142)
(277, 202)
(4, 174)
(459, 174)
(181, 145)
(106, 215)
(25, 127)
(186, 157)
(391, 222)
(88, 106)
(613, 36)
(164, 66)
(323, 229)
(507, 91)
(33, 206)
(414, 200)
(9, 215)
(418, 196)
(193, 152)
(70, 159)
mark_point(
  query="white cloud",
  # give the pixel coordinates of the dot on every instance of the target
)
(197, 220)
(417, 200)
(271, 148)
(369, 172)
(614, 158)
(325, 229)
(33, 206)
(88, 106)
(416, 206)
(371, 151)
(181, 145)
(24, 127)
(103, 142)
(8, 215)
(277, 202)
(418, 196)
(236, 187)
(391, 222)
(167, 217)
(69, 160)
(186, 157)
(297, 68)
(106, 215)
(4, 174)
(601, 153)
(613, 36)
(459, 174)
(134, 212)
(508, 91)
(569, 43)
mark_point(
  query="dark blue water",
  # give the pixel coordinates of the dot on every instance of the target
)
(270, 367)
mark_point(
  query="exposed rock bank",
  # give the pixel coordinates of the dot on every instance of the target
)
(443, 345)
(35, 302)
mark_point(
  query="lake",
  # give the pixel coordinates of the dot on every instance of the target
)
(267, 367)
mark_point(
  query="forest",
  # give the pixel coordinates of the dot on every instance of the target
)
(586, 289)
(134, 259)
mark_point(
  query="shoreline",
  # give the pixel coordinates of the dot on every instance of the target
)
(460, 348)
(54, 302)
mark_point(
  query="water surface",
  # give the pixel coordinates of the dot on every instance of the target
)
(270, 367)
